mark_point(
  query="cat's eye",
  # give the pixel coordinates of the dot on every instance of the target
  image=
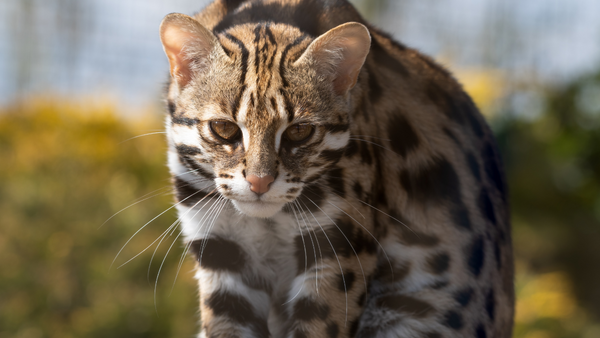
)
(299, 132)
(228, 131)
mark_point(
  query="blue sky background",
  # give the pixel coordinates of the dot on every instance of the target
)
(111, 48)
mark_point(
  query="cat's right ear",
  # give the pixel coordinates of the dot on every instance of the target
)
(188, 46)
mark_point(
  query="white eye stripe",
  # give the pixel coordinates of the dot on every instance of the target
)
(185, 135)
(335, 140)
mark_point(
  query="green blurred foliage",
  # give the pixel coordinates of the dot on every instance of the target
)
(552, 158)
(67, 168)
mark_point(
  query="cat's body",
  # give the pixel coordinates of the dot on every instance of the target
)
(324, 197)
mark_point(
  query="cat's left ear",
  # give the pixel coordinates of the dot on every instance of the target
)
(339, 53)
(188, 45)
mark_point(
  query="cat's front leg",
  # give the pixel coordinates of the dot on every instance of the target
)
(329, 291)
(230, 305)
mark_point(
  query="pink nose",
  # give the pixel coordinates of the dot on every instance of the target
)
(260, 185)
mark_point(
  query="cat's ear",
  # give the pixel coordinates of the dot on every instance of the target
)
(188, 46)
(340, 54)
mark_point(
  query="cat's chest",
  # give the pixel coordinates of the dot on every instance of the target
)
(266, 243)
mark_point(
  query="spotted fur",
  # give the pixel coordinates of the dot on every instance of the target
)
(389, 220)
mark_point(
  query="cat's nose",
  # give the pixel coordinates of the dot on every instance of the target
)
(260, 185)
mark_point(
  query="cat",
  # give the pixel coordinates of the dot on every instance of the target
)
(330, 181)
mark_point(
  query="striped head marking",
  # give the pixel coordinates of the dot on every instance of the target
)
(258, 110)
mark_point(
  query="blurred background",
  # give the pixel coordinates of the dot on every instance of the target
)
(80, 142)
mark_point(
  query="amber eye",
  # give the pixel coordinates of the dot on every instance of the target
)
(299, 132)
(225, 130)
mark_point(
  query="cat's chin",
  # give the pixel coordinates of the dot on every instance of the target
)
(258, 209)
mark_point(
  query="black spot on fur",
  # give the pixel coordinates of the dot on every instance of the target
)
(480, 331)
(360, 301)
(333, 330)
(460, 217)
(351, 148)
(335, 180)
(476, 256)
(438, 181)
(473, 166)
(332, 156)
(345, 284)
(439, 263)
(219, 254)
(454, 320)
(486, 207)
(307, 310)
(463, 297)
(186, 193)
(238, 309)
(313, 246)
(353, 328)
(403, 137)
(490, 304)
(312, 196)
(365, 154)
(492, 169)
(406, 304)
(358, 190)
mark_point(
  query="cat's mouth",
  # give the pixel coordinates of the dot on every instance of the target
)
(258, 208)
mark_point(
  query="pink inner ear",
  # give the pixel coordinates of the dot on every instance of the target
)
(341, 52)
(174, 40)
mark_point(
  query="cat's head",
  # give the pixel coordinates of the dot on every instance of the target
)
(259, 112)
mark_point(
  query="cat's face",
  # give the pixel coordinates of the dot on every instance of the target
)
(258, 114)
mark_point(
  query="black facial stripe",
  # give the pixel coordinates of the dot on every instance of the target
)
(185, 149)
(186, 193)
(283, 60)
(244, 66)
(185, 121)
(195, 168)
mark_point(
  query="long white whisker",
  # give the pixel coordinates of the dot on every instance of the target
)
(374, 238)
(305, 253)
(143, 198)
(336, 257)
(132, 138)
(150, 221)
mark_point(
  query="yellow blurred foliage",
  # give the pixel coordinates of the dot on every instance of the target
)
(486, 87)
(545, 296)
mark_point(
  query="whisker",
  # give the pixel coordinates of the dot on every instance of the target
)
(336, 257)
(301, 212)
(374, 238)
(150, 221)
(143, 198)
(305, 253)
(132, 138)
